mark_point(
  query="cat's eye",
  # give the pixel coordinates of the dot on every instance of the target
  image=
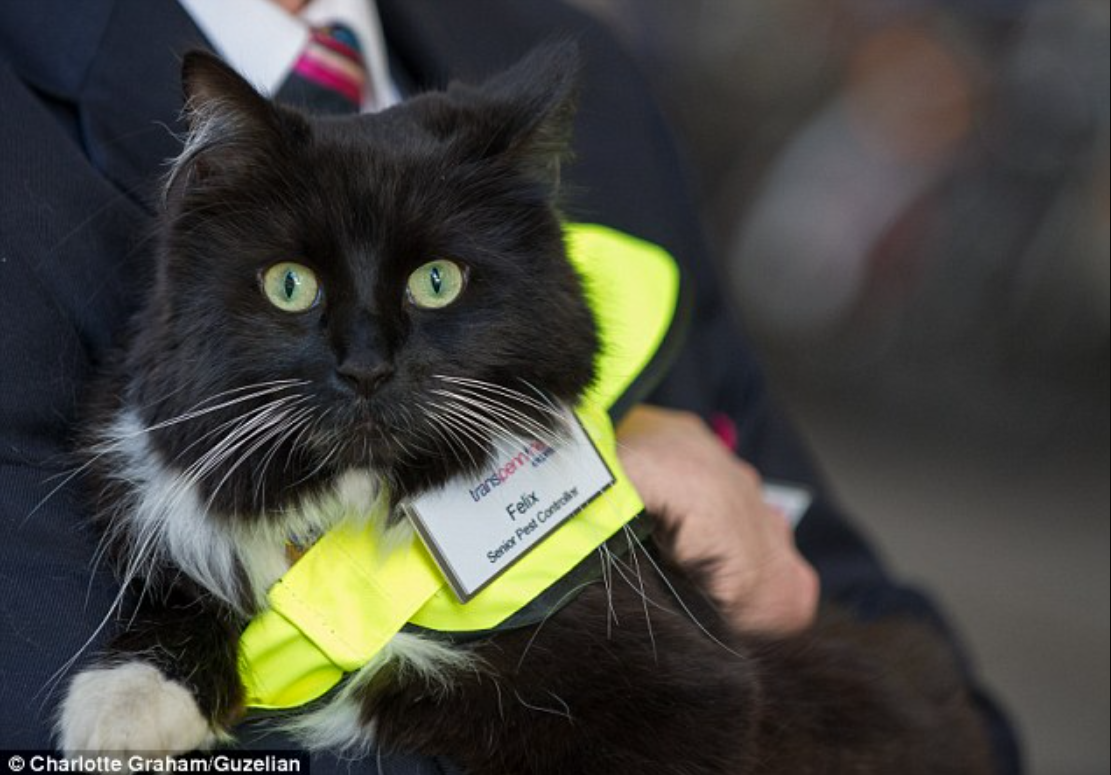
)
(291, 287)
(436, 284)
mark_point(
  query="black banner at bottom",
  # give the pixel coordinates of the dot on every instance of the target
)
(201, 763)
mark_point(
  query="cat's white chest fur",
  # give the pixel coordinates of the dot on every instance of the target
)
(167, 519)
(237, 559)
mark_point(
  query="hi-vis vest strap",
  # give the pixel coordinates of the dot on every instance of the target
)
(341, 603)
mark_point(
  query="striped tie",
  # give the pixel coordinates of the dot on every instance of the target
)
(330, 75)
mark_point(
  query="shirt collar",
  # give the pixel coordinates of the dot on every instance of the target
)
(262, 42)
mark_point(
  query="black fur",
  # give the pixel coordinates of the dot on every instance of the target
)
(623, 679)
(465, 175)
(611, 684)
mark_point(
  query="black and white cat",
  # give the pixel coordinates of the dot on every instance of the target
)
(324, 288)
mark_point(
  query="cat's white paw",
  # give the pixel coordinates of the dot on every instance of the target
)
(131, 707)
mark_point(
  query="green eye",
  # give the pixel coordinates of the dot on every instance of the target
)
(436, 284)
(291, 287)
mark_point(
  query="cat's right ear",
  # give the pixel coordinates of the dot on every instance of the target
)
(231, 126)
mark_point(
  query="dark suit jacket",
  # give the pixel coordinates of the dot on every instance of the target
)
(89, 103)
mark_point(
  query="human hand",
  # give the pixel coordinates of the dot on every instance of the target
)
(713, 502)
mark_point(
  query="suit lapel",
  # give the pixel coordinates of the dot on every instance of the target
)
(130, 102)
(437, 41)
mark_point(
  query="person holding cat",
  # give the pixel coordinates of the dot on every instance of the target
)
(82, 153)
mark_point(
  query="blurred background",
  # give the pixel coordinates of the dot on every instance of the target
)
(910, 201)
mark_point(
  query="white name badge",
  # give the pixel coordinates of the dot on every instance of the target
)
(476, 527)
(791, 500)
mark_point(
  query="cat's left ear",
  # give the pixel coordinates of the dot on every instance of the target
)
(523, 115)
(538, 97)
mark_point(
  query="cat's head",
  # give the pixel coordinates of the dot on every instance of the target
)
(387, 291)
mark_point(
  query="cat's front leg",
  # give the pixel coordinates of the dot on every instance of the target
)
(128, 707)
(167, 684)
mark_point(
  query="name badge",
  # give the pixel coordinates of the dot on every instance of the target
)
(476, 527)
(791, 500)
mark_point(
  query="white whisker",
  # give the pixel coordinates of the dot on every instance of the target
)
(265, 431)
(607, 582)
(643, 596)
(442, 427)
(297, 424)
(495, 410)
(482, 423)
(197, 411)
(547, 406)
(568, 595)
(565, 713)
(634, 543)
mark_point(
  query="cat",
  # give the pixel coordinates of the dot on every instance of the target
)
(320, 283)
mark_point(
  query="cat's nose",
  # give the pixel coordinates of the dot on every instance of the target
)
(363, 376)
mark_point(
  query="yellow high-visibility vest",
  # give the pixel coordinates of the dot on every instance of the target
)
(341, 602)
